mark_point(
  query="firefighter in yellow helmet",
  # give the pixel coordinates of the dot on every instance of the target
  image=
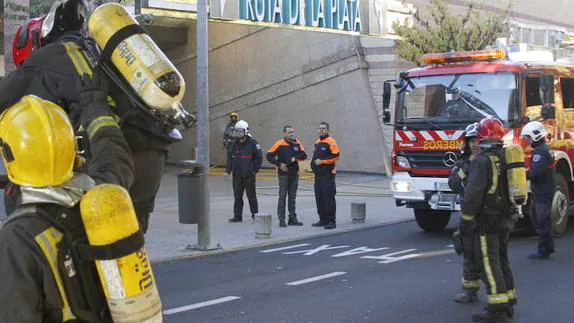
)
(44, 273)
(228, 133)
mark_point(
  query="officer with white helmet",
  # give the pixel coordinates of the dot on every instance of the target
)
(457, 180)
(244, 160)
(542, 185)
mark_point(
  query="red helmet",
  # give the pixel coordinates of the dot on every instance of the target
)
(64, 15)
(27, 39)
(490, 129)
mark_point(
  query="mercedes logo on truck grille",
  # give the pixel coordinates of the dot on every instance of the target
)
(449, 159)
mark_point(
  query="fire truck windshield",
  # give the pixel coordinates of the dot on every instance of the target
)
(458, 98)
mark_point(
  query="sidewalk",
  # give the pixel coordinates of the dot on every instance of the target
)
(167, 239)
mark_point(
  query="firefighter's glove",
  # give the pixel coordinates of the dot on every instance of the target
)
(465, 227)
(93, 96)
(457, 242)
(92, 89)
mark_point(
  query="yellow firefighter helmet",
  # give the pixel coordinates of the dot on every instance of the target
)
(37, 143)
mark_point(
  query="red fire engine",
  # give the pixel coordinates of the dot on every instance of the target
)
(434, 104)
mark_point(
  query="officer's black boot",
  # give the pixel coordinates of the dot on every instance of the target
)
(293, 221)
(236, 219)
(282, 223)
(330, 225)
(466, 296)
(318, 224)
(489, 316)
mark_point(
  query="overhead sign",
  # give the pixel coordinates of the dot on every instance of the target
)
(335, 14)
(344, 15)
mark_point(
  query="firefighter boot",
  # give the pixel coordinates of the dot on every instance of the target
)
(293, 221)
(467, 296)
(489, 316)
(510, 310)
(236, 219)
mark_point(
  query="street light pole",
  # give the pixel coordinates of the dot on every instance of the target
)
(202, 101)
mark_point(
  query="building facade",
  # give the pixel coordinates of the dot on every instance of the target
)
(300, 62)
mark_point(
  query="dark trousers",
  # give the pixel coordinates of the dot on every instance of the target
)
(540, 210)
(287, 187)
(492, 250)
(470, 263)
(246, 184)
(149, 166)
(325, 191)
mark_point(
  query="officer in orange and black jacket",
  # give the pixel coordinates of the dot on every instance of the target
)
(325, 155)
(286, 154)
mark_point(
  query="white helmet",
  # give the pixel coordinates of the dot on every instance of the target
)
(535, 130)
(242, 125)
(471, 130)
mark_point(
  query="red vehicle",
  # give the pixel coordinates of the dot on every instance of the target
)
(436, 102)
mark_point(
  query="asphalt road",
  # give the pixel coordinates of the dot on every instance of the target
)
(371, 275)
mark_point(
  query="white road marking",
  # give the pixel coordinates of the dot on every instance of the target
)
(310, 252)
(316, 278)
(389, 258)
(199, 305)
(285, 248)
(357, 251)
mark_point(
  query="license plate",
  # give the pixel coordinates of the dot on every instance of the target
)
(441, 186)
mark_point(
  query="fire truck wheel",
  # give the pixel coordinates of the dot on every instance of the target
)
(560, 204)
(432, 220)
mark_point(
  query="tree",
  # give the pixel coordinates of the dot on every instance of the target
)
(442, 31)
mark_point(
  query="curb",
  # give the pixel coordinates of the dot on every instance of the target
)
(203, 254)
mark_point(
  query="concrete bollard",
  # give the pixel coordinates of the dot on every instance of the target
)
(358, 212)
(262, 226)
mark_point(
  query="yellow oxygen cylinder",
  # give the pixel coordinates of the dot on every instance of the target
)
(139, 60)
(128, 282)
(516, 176)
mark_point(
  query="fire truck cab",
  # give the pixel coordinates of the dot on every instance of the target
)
(435, 103)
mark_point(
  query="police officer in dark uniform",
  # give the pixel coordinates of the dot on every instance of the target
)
(40, 281)
(487, 206)
(56, 60)
(457, 181)
(244, 161)
(325, 154)
(542, 185)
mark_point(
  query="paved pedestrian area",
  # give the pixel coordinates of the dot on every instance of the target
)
(168, 239)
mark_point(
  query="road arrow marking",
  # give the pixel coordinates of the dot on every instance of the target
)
(200, 305)
(316, 278)
(285, 248)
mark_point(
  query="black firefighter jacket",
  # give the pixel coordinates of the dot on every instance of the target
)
(51, 72)
(244, 158)
(484, 197)
(31, 291)
(458, 175)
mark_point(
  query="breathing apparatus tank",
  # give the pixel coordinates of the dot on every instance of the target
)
(128, 282)
(141, 63)
(516, 176)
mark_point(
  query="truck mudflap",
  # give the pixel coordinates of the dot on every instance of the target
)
(434, 191)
